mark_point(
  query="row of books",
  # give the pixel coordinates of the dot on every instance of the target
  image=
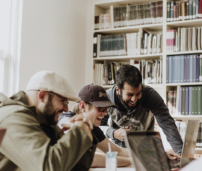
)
(151, 71)
(127, 44)
(180, 11)
(130, 15)
(185, 101)
(184, 68)
(184, 39)
(182, 126)
(104, 74)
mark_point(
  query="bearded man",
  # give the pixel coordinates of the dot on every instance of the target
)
(33, 141)
(137, 105)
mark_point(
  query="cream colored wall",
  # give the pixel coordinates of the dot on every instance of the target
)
(54, 38)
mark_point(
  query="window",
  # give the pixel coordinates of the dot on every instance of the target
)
(10, 40)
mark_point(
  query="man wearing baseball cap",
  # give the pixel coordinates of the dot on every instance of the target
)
(93, 106)
(33, 141)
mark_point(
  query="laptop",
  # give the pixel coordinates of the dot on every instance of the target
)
(2, 133)
(147, 152)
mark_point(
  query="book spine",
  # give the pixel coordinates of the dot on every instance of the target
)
(171, 11)
(187, 10)
(183, 100)
(197, 9)
(194, 9)
(190, 100)
(95, 46)
(191, 68)
(186, 100)
(200, 16)
(200, 76)
(173, 69)
(182, 69)
(175, 12)
(194, 68)
(168, 11)
(199, 100)
(183, 11)
(197, 67)
(180, 101)
(178, 11)
(190, 9)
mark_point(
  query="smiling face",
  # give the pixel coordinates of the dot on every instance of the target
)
(92, 113)
(53, 107)
(129, 96)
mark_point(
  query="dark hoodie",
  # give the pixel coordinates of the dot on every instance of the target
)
(142, 117)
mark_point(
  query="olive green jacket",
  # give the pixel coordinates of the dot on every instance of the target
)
(28, 147)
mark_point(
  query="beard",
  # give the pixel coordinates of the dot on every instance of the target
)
(49, 112)
(125, 102)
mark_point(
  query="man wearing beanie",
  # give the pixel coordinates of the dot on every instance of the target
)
(33, 141)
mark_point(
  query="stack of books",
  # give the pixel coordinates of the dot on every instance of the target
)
(184, 39)
(184, 68)
(180, 11)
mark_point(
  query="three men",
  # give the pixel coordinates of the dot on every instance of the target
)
(137, 106)
(33, 141)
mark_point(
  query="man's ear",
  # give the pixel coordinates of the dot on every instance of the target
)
(41, 95)
(82, 106)
(117, 90)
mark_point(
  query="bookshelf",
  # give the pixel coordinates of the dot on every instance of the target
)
(163, 87)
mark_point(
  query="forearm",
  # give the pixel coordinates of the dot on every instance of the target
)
(99, 161)
(123, 152)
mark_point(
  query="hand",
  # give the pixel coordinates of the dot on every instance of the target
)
(173, 156)
(119, 133)
(80, 117)
(81, 125)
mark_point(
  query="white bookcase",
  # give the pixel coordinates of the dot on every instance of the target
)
(163, 27)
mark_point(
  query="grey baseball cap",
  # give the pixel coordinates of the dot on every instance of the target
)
(95, 95)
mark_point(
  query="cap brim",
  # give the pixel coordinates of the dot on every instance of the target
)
(103, 104)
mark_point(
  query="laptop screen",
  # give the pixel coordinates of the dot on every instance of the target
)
(147, 151)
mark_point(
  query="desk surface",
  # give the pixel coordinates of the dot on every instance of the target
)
(129, 168)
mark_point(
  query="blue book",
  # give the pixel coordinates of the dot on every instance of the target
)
(197, 67)
(180, 101)
(194, 68)
(186, 100)
(173, 69)
(177, 69)
(190, 100)
(175, 72)
(167, 69)
(170, 69)
(182, 68)
(191, 68)
(186, 68)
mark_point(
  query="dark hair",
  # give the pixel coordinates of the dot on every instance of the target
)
(129, 74)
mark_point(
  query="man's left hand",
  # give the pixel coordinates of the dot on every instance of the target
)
(173, 156)
(80, 117)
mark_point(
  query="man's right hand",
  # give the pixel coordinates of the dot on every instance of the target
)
(84, 126)
(119, 133)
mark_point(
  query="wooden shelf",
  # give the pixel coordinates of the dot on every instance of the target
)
(185, 52)
(186, 23)
(150, 27)
(152, 56)
(191, 117)
(151, 85)
(184, 84)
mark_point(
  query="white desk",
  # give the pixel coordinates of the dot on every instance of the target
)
(129, 168)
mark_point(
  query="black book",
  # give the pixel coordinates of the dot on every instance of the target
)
(95, 46)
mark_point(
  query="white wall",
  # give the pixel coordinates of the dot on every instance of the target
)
(54, 38)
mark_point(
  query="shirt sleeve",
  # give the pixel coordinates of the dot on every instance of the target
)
(99, 134)
(26, 145)
(164, 119)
